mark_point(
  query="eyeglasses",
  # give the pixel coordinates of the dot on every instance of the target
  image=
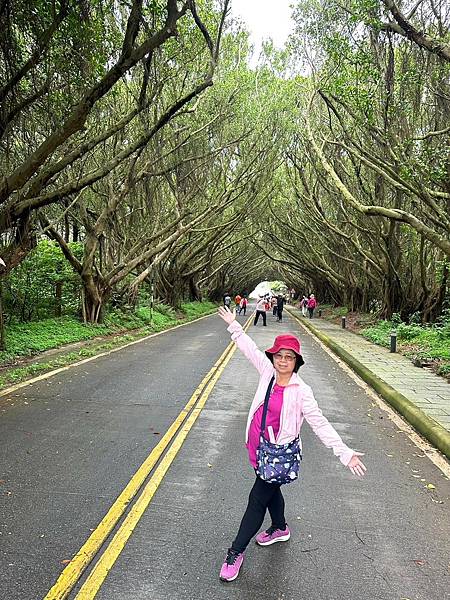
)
(288, 357)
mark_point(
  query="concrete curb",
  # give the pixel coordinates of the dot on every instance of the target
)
(428, 427)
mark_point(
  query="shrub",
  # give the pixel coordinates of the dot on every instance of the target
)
(30, 288)
(408, 332)
(165, 309)
(194, 309)
(379, 333)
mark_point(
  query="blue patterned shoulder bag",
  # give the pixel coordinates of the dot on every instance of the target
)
(276, 463)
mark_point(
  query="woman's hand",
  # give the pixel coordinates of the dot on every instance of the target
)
(356, 466)
(227, 315)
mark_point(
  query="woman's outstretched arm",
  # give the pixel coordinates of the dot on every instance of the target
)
(244, 342)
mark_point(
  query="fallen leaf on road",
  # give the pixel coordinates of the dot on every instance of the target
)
(66, 561)
(419, 562)
(430, 486)
(209, 465)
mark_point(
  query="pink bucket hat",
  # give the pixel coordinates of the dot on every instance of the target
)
(287, 341)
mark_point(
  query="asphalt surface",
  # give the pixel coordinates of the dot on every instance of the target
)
(68, 453)
(70, 444)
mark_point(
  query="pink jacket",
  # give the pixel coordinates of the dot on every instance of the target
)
(298, 401)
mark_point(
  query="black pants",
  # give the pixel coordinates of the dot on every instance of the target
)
(242, 308)
(310, 312)
(279, 314)
(260, 312)
(263, 496)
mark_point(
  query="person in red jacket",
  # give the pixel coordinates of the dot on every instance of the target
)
(312, 303)
(243, 305)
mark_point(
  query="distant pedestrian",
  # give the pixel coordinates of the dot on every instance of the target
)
(261, 306)
(243, 305)
(227, 300)
(274, 305)
(312, 303)
(281, 403)
(280, 306)
(304, 305)
(237, 300)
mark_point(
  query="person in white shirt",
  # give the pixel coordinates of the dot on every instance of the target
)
(261, 311)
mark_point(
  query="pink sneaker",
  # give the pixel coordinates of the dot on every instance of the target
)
(273, 535)
(232, 565)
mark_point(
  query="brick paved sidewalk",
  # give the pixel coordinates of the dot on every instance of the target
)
(429, 392)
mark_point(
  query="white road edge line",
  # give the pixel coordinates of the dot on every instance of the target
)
(13, 388)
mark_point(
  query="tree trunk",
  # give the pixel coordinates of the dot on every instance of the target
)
(194, 290)
(174, 293)
(393, 296)
(94, 299)
(2, 320)
(433, 306)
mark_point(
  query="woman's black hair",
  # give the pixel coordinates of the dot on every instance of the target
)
(298, 363)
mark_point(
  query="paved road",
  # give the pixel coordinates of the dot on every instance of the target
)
(385, 537)
(69, 444)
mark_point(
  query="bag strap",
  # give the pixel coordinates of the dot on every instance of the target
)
(266, 405)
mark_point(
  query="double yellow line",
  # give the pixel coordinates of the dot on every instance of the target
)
(74, 570)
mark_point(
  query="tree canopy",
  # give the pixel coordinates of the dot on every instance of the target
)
(138, 141)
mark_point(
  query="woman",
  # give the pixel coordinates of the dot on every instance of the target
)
(243, 306)
(280, 306)
(304, 305)
(274, 305)
(290, 401)
(312, 303)
(261, 307)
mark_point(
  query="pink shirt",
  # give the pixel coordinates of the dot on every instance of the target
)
(272, 420)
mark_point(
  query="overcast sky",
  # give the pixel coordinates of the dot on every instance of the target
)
(264, 19)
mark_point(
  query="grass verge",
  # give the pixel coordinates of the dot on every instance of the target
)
(27, 341)
(425, 345)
